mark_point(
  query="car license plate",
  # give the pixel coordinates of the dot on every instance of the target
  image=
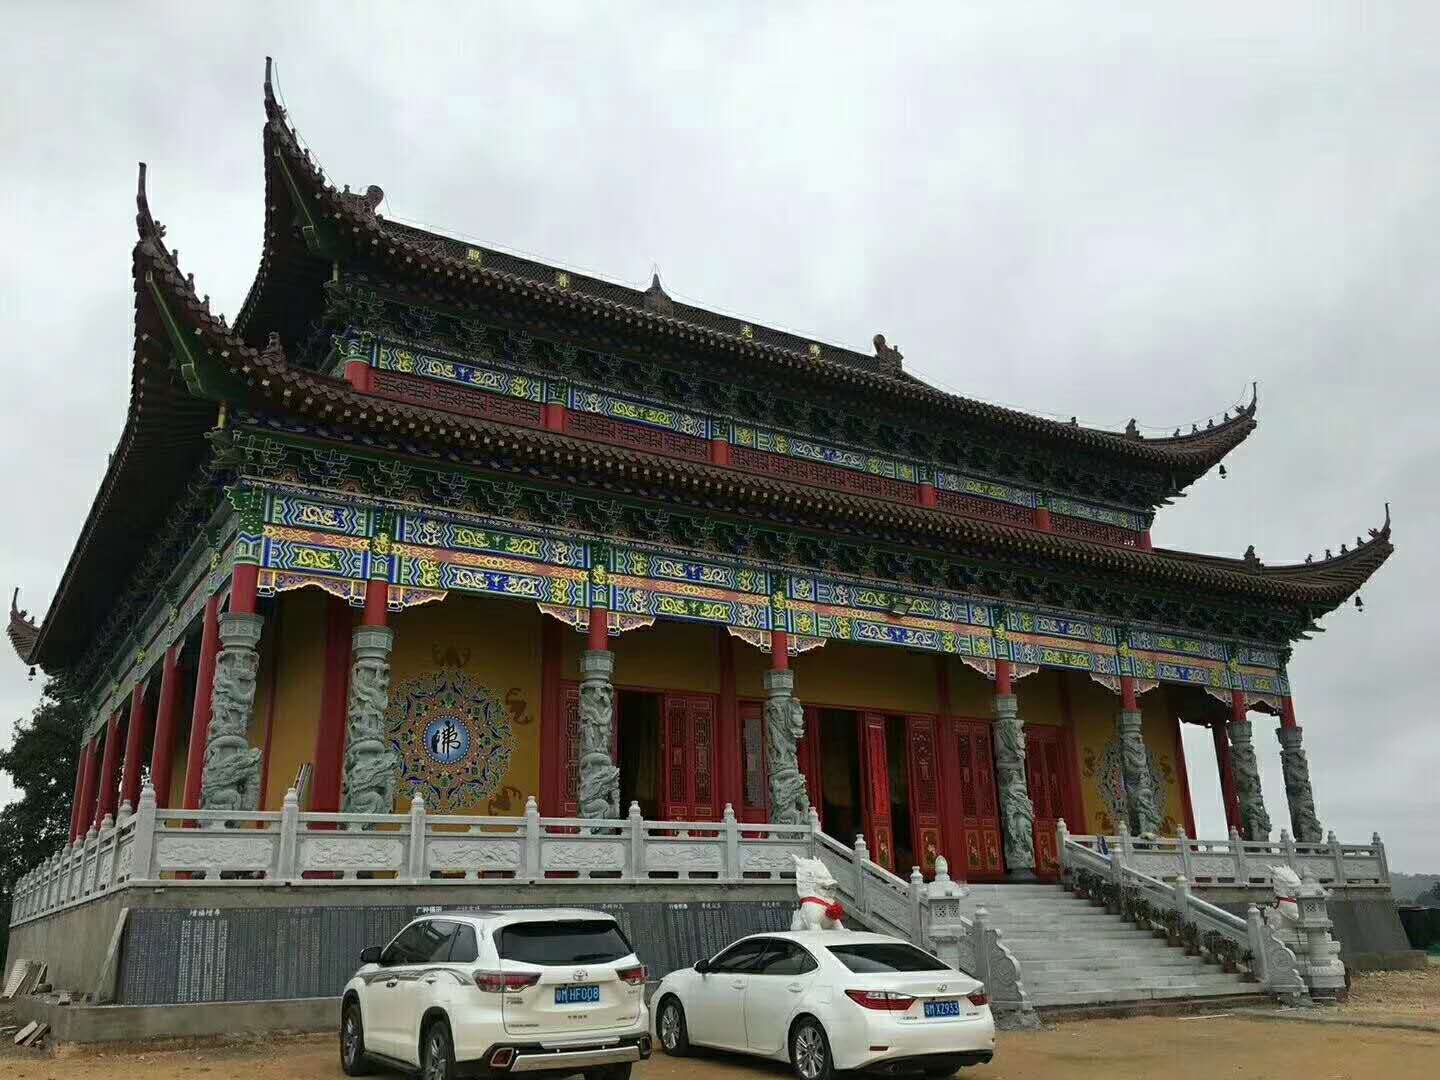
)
(935, 1009)
(576, 995)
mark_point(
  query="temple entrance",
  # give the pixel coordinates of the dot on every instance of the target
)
(972, 816)
(666, 754)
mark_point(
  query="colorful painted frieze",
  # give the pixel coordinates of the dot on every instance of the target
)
(639, 412)
(428, 365)
(985, 489)
(1104, 515)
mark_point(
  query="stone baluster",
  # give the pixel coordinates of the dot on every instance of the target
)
(533, 871)
(1382, 864)
(415, 868)
(636, 826)
(784, 728)
(1017, 812)
(371, 767)
(862, 857)
(231, 776)
(1183, 842)
(599, 778)
(917, 904)
(731, 832)
(1253, 818)
(285, 856)
(1337, 856)
(1237, 851)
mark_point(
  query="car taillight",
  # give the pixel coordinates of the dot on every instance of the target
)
(505, 982)
(634, 976)
(977, 998)
(884, 1000)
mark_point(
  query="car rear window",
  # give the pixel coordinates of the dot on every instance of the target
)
(577, 941)
(881, 956)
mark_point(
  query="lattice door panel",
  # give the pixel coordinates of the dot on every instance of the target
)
(1047, 779)
(688, 780)
(754, 782)
(970, 802)
(875, 783)
(923, 767)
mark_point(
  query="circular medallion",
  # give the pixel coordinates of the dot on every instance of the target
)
(454, 737)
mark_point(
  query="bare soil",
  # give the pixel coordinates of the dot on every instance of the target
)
(1176, 1048)
(1395, 995)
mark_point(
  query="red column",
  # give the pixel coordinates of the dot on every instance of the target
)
(1144, 544)
(729, 776)
(162, 756)
(1042, 519)
(1002, 678)
(1228, 791)
(81, 760)
(200, 715)
(1127, 694)
(357, 374)
(329, 753)
(720, 451)
(92, 777)
(779, 650)
(377, 602)
(927, 493)
(1287, 712)
(134, 742)
(105, 804)
(243, 584)
(598, 639)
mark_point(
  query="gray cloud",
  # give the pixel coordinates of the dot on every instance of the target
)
(1100, 213)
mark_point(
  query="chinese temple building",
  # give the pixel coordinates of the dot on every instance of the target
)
(432, 519)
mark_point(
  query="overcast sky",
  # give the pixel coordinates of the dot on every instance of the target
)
(1106, 210)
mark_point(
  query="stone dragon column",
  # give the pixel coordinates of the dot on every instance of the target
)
(1254, 821)
(784, 728)
(1016, 810)
(231, 776)
(1139, 786)
(1296, 766)
(371, 764)
(599, 778)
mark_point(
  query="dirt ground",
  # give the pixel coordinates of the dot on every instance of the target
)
(1402, 995)
(1176, 1048)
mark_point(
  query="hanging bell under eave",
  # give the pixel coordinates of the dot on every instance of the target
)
(1223, 473)
(1359, 604)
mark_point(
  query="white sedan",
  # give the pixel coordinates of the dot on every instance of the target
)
(826, 1001)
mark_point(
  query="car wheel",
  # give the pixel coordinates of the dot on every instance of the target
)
(353, 1061)
(437, 1055)
(674, 1035)
(810, 1051)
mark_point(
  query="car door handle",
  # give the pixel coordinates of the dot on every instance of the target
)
(430, 980)
(795, 988)
(738, 984)
(392, 983)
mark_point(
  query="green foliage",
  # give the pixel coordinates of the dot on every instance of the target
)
(41, 762)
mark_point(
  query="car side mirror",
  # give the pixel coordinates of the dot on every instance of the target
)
(702, 966)
(370, 954)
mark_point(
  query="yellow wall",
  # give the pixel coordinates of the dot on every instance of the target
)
(666, 656)
(496, 642)
(876, 677)
(297, 644)
(1095, 709)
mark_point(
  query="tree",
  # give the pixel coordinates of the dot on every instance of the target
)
(41, 761)
(1430, 897)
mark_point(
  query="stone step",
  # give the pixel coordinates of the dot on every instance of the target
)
(1103, 965)
(1095, 996)
(1120, 932)
(1079, 950)
(1116, 981)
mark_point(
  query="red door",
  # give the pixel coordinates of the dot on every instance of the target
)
(570, 749)
(688, 775)
(1047, 779)
(972, 818)
(875, 784)
(923, 767)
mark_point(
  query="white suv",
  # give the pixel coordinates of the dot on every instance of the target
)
(555, 990)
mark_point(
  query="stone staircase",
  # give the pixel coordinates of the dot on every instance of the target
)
(1072, 953)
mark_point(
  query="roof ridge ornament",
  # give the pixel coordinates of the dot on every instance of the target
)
(890, 354)
(273, 108)
(656, 298)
